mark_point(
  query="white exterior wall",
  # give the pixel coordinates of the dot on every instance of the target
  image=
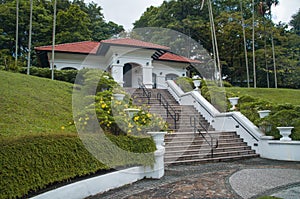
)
(163, 68)
(78, 61)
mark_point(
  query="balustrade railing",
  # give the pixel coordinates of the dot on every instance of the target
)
(146, 91)
(170, 111)
(213, 142)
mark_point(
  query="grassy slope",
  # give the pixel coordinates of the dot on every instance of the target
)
(277, 96)
(35, 151)
(32, 105)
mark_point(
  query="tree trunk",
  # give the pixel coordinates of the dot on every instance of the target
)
(245, 45)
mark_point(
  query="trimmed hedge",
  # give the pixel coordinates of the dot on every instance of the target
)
(281, 115)
(31, 163)
(61, 75)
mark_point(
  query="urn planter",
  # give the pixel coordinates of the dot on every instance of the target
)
(131, 111)
(285, 132)
(197, 83)
(233, 101)
(158, 138)
(263, 113)
(118, 96)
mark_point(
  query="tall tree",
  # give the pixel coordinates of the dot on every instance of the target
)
(295, 23)
(73, 25)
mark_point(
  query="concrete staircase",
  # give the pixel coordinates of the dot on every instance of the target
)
(183, 145)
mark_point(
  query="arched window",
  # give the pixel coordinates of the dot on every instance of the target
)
(171, 76)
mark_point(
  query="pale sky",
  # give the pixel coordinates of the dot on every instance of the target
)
(126, 12)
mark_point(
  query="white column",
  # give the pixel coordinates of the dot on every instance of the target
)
(161, 81)
(117, 74)
(158, 169)
(147, 76)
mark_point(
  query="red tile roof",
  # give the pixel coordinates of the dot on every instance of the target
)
(84, 47)
(134, 43)
(91, 47)
(176, 58)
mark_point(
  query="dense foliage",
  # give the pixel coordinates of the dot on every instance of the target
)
(76, 21)
(281, 115)
(113, 115)
(186, 17)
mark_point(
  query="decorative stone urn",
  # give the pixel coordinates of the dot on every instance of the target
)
(196, 81)
(118, 96)
(263, 113)
(285, 132)
(233, 101)
(131, 111)
(158, 138)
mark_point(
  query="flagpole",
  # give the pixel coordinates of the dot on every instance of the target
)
(53, 40)
(253, 45)
(17, 33)
(29, 41)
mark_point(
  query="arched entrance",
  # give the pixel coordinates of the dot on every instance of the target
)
(154, 77)
(171, 76)
(127, 75)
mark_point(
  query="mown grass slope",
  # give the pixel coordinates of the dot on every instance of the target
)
(277, 96)
(32, 105)
(39, 145)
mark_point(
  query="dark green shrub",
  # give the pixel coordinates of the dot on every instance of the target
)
(61, 75)
(185, 83)
(281, 115)
(30, 163)
(226, 84)
(284, 117)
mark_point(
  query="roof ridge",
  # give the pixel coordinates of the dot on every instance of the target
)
(70, 43)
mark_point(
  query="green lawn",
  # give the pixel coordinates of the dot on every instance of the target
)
(32, 105)
(277, 96)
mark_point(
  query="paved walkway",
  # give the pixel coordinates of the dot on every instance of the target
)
(238, 179)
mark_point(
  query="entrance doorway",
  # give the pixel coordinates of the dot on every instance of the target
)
(154, 80)
(127, 75)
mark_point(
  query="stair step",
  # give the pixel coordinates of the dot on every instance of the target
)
(207, 149)
(215, 154)
(217, 159)
(204, 144)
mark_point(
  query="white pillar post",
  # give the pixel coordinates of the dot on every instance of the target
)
(161, 81)
(158, 170)
(147, 75)
(117, 74)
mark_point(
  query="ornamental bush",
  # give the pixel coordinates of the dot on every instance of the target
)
(110, 112)
(61, 75)
(281, 115)
(32, 163)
